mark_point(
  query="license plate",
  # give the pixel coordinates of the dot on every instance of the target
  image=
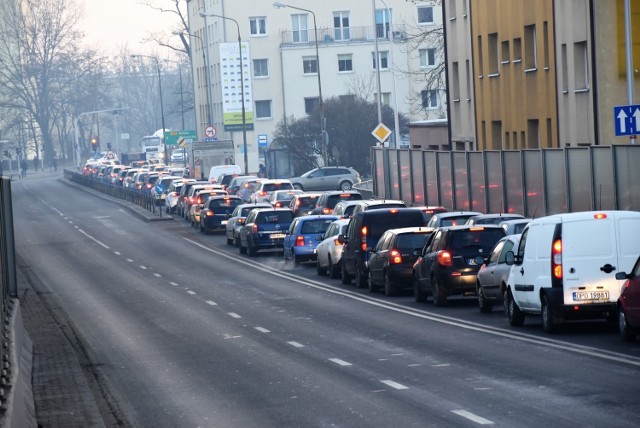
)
(277, 236)
(223, 222)
(590, 295)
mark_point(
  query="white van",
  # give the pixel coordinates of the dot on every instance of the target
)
(565, 266)
(218, 170)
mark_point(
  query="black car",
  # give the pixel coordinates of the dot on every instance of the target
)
(364, 231)
(391, 261)
(450, 261)
(328, 200)
(216, 212)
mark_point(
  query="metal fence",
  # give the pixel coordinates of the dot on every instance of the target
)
(529, 182)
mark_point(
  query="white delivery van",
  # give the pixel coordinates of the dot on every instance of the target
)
(217, 170)
(565, 265)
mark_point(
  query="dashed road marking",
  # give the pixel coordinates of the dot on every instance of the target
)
(262, 330)
(441, 365)
(296, 344)
(93, 239)
(157, 275)
(393, 384)
(175, 284)
(130, 260)
(472, 417)
(339, 362)
(117, 253)
(233, 315)
(142, 267)
(209, 302)
(191, 292)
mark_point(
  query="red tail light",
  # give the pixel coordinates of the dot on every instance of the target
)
(445, 258)
(394, 257)
(254, 228)
(208, 213)
(278, 205)
(336, 242)
(149, 186)
(263, 193)
(299, 241)
(364, 238)
(199, 200)
(241, 220)
(556, 259)
(327, 211)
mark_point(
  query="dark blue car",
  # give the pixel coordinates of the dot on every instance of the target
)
(264, 229)
(304, 235)
(216, 211)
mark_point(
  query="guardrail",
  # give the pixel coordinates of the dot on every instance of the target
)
(136, 197)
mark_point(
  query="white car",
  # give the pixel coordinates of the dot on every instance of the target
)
(266, 187)
(329, 251)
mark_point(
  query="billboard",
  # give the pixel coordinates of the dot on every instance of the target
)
(233, 87)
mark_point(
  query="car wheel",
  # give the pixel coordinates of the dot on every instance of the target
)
(418, 293)
(229, 241)
(236, 241)
(438, 293)
(626, 331)
(361, 280)
(372, 286)
(345, 185)
(346, 278)
(484, 305)
(334, 270)
(241, 249)
(251, 251)
(320, 270)
(389, 288)
(515, 315)
(550, 323)
(298, 186)
(296, 259)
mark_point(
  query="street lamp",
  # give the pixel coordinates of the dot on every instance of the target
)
(161, 106)
(396, 119)
(244, 117)
(324, 137)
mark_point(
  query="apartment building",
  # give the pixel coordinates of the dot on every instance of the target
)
(284, 65)
(542, 74)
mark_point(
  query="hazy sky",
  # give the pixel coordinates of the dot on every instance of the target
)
(110, 24)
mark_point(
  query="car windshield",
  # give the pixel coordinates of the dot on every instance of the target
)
(315, 226)
(275, 217)
(307, 202)
(412, 241)
(270, 187)
(333, 200)
(519, 228)
(482, 238)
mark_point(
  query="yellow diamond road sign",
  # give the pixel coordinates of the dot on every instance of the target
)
(381, 132)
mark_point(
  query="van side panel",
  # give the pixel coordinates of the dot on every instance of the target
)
(628, 242)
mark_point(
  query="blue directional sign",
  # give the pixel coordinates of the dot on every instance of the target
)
(627, 120)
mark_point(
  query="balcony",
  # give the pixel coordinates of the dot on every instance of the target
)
(364, 34)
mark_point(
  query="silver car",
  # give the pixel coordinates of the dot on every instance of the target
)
(327, 178)
(492, 276)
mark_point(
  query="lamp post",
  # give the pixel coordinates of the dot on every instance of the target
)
(244, 117)
(396, 119)
(161, 101)
(324, 137)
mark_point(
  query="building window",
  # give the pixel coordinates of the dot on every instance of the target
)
(565, 68)
(545, 35)
(258, 26)
(263, 109)
(480, 62)
(533, 134)
(385, 99)
(493, 54)
(530, 48)
(261, 67)
(468, 79)
(505, 52)
(429, 99)
(496, 135)
(427, 57)
(425, 15)
(345, 63)
(517, 49)
(341, 26)
(384, 60)
(455, 83)
(383, 20)
(310, 65)
(581, 66)
(300, 33)
(310, 104)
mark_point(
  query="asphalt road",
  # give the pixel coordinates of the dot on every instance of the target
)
(183, 331)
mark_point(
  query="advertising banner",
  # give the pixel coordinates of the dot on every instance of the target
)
(233, 86)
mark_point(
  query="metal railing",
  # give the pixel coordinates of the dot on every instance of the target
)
(342, 35)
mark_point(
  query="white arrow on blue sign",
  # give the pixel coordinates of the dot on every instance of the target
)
(627, 120)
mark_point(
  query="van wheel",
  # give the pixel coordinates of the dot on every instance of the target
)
(389, 288)
(361, 280)
(550, 323)
(371, 285)
(345, 185)
(418, 294)
(439, 295)
(346, 278)
(515, 315)
(626, 331)
(333, 270)
(484, 305)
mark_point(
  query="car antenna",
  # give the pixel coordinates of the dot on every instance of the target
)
(534, 213)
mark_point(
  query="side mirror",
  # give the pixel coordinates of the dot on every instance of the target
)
(510, 258)
(341, 239)
(622, 275)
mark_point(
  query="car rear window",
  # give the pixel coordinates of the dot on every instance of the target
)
(381, 206)
(379, 224)
(270, 187)
(224, 203)
(333, 200)
(275, 217)
(285, 196)
(494, 220)
(472, 239)
(307, 202)
(412, 241)
(453, 221)
(315, 226)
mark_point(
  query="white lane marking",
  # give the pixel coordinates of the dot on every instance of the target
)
(142, 267)
(175, 284)
(70, 222)
(117, 253)
(440, 365)
(393, 384)
(210, 302)
(191, 292)
(58, 211)
(472, 417)
(157, 275)
(296, 344)
(93, 239)
(262, 330)
(456, 322)
(339, 362)
(130, 260)
(77, 227)
(233, 315)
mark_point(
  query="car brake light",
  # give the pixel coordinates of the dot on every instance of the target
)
(444, 258)
(208, 213)
(241, 220)
(199, 200)
(600, 216)
(263, 193)
(327, 211)
(393, 211)
(299, 241)
(394, 257)
(364, 238)
(336, 242)
(278, 204)
(254, 228)
(556, 259)
(476, 229)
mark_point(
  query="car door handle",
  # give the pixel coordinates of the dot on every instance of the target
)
(607, 268)
(521, 271)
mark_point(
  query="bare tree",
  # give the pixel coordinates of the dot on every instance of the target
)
(168, 39)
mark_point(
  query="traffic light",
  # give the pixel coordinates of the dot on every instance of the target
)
(94, 144)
